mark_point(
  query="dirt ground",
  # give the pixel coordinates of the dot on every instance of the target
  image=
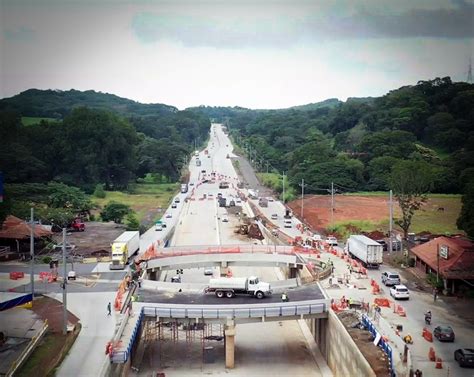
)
(97, 237)
(54, 346)
(377, 359)
(317, 209)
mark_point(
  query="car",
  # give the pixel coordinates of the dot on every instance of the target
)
(390, 278)
(176, 279)
(464, 357)
(444, 333)
(169, 215)
(332, 241)
(225, 219)
(274, 216)
(208, 271)
(399, 292)
(71, 275)
(219, 194)
(176, 200)
(174, 205)
(287, 223)
(383, 243)
(203, 171)
(191, 183)
(159, 226)
(270, 199)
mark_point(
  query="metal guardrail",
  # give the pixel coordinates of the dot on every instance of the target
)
(237, 311)
(382, 343)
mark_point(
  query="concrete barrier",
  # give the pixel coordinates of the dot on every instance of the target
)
(342, 354)
(89, 260)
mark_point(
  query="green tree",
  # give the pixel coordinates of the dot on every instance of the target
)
(99, 191)
(132, 222)
(64, 196)
(61, 217)
(410, 181)
(466, 217)
(115, 212)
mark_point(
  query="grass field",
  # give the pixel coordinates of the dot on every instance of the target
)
(369, 211)
(147, 199)
(28, 121)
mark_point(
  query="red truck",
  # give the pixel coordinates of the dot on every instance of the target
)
(78, 225)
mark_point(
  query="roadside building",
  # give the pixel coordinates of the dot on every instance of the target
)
(451, 257)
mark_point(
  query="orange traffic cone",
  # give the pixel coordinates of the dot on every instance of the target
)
(431, 354)
(439, 363)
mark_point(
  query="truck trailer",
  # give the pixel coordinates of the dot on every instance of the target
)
(229, 287)
(368, 251)
(123, 248)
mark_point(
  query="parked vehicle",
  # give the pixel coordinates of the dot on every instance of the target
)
(71, 275)
(332, 241)
(400, 292)
(229, 287)
(78, 225)
(444, 333)
(390, 278)
(464, 357)
(123, 248)
(368, 251)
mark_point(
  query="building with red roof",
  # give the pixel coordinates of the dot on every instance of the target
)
(451, 257)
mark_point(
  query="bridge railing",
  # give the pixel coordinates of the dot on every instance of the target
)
(238, 311)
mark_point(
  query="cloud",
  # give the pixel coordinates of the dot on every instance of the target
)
(20, 34)
(305, 23)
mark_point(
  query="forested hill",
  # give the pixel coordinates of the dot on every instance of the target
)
(355, 144)
(89, 138)
(57, 104)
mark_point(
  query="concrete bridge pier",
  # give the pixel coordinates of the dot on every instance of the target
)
(229, 332)
(152, 275)
(293, 272)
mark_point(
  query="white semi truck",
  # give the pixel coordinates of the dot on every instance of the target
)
(368, 251)
(123, 248)
(229, 287)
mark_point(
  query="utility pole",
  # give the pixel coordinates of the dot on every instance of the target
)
(390, 224)
(302, 198)
(332, 203)
(32, 254)
(64, 284)
(437, 261)
(283, 188)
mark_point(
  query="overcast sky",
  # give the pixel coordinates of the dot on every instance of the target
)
(257, 54)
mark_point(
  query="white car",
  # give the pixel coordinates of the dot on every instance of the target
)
(169, 215)
(287, 223)
(399, 292)
(274, 216)
(331, 241)
(225, 219)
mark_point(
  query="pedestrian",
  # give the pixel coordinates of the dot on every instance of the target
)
(330, 282)
(109, 309)
(435, 294)
(332, 267)
(418, 373)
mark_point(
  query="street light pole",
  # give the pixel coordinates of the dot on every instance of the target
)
(302, 198)
(64, 284)
(390, 224)
(283, 188)
(32, 254)
(332, 203)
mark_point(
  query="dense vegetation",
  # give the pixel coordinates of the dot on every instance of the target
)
(90, 139)
(359, 143)
(111, 141)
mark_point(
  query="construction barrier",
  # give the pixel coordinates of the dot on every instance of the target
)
(427, 334)
(382, 302)
(431, 354)
(399, 310)
(439, 363)
(375, 289)
(14, 275)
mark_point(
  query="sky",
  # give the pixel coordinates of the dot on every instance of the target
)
(256, 54)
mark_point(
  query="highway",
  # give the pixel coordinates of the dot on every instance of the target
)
(279, 345)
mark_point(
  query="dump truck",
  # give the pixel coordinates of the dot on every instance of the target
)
(229, 287)
(78, 225)
(123, 248)
(368, 251)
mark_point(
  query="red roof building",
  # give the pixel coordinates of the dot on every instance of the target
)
(451, 257)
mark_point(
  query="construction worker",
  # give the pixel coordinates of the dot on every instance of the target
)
(109, 309)
(351, 302)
